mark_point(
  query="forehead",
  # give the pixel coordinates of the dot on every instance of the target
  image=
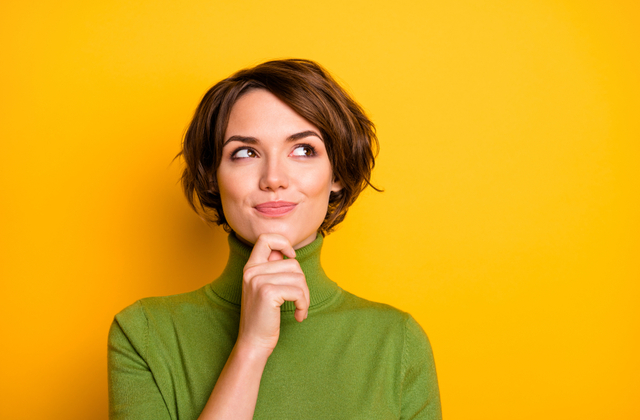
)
(259, 112)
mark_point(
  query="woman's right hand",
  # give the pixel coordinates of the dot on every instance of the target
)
(269, 281)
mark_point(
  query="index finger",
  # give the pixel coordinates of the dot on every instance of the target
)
(266, 243)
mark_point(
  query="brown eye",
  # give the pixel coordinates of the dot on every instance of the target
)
(303, 151)
(244, 153)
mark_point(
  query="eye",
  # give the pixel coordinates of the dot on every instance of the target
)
(304, 150)
(244, 153)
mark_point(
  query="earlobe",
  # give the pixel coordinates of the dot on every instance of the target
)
(336, 186)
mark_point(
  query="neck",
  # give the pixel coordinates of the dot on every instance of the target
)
(229, 285)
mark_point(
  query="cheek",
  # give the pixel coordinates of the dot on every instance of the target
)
(230, 192)
(316, 183)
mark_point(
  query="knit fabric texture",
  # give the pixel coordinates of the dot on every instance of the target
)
(350, 359)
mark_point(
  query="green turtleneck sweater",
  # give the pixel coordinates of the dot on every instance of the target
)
(350, 359)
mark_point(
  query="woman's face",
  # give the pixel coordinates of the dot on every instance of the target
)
(275, 175)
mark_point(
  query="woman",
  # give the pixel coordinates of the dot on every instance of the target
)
(276, 154)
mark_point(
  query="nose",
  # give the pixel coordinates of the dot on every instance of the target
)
(274, 175)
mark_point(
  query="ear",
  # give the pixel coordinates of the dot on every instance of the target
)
(336, 185)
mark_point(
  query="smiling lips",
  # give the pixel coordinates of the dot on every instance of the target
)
(275, 208)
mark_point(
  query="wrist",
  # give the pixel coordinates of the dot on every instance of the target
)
(251, 353)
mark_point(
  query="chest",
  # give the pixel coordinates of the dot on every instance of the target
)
(320, 369)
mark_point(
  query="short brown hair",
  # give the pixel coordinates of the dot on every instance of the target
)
(349, 136)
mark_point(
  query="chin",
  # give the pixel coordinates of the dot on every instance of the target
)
(296, 239)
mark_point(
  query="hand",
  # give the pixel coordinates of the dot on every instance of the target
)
(269, 281)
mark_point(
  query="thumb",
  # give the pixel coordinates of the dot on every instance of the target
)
(275, 256)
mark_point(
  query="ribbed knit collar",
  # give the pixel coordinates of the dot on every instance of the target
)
(229, 285)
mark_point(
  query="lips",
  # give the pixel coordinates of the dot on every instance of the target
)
(275, 208)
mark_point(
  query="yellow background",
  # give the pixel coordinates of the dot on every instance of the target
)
(509, 227)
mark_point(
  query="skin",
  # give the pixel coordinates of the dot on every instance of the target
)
(273, 168)
(270, 154)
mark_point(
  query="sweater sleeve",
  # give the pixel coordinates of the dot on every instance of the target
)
(420, 393)
(133, 392)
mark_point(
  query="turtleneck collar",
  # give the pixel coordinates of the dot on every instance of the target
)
(229, 285)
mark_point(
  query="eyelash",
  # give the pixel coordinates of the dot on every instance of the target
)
(307, 146)
(233, 154)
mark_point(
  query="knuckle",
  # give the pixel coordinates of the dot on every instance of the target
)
(254, 284)
(268, 291)
(293, 265)
(248, 274)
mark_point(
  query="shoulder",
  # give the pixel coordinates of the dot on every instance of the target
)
(159, 317)
(381, 312)
(141, 313)
(383, 318)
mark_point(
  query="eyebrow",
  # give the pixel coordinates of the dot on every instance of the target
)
(253, 140)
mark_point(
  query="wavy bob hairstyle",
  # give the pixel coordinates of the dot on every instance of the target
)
(349, 136)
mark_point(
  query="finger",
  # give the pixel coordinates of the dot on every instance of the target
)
(267, 243)
(301, 315)
(270, 287)
(275, 256)
(278, 294)
(254, 285)
(305, 314)
(272, 267)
